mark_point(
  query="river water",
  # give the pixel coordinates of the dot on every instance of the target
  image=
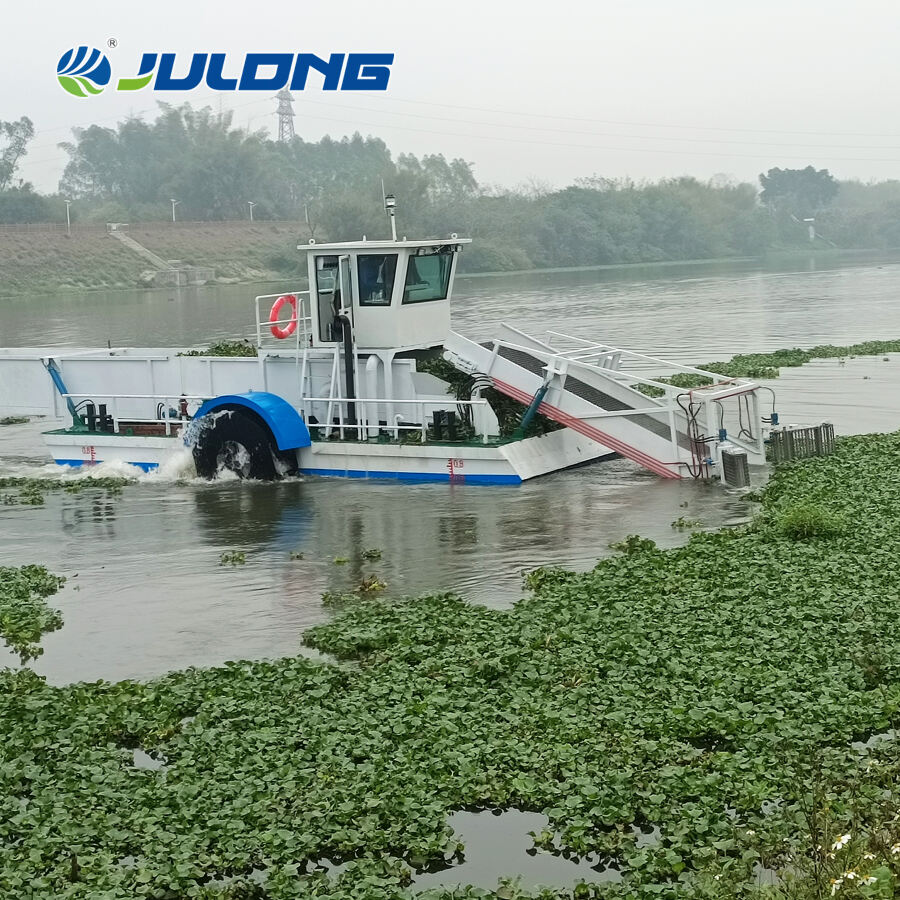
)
(146, 592)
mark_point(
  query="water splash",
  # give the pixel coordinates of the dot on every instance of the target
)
(177, 468)
(51, 471)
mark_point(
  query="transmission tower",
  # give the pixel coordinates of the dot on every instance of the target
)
(285, 115)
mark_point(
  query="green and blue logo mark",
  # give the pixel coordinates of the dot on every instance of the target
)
(83, 71)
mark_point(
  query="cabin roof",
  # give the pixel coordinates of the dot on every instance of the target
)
(385, 245)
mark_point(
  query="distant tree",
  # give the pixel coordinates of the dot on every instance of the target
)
(801, 192)
(14, 138)
(534, 187)
(128, 173)
(599, 183)
(20, 204)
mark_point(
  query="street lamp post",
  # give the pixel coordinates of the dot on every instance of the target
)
(174, 204)
(68, 219)
(251, 204)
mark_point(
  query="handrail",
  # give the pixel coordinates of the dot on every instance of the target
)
(281, 294)
(264, 323)
(302, 332)
(668, 389)
(168, 421)
(138, 396)
(364, 424)
(607, 348)
(360, 427)
(450, 401)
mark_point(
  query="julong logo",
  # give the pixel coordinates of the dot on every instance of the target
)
(83, 71)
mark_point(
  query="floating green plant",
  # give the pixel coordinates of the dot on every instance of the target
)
(767, 365)
(738, 696)
(224, 348)
(686, 522)
(633, 543)
(232, 558)
(371, 584)
(32, 491)
(24, 615)
(807, 520)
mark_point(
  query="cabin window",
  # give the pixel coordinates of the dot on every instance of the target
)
(376, 278)
(427, 277)
(328, 291)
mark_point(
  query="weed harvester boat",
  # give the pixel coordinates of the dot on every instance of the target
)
(350, 378)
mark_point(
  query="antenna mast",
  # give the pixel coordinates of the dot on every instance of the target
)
(390, 207)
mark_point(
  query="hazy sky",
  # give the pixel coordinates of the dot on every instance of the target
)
(550, 91)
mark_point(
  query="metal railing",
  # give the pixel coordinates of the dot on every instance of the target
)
(363, 424)
(793, 442)
(302, 333)
(155, 225)
(704, 402)
(170, 402)
(693, 416)
(609, 359)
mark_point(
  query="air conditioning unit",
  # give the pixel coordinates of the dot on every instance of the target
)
(735, 467)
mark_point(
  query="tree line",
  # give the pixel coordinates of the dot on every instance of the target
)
(333, 189)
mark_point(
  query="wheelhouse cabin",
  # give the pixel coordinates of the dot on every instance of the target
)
(396, 294)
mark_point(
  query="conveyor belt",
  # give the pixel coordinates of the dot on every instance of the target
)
(593, 395)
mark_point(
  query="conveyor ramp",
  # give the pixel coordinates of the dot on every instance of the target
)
(587, 387)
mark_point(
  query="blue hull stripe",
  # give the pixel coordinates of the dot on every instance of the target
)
(75, 463)
(415, 476)
(357, 473)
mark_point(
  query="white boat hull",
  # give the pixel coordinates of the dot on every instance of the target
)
(92, 448)
(510, 463)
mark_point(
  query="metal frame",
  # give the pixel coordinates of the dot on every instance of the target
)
(113, 399)
(302, 333)
(606, 361)
(363, 425)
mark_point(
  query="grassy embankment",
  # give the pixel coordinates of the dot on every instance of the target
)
(721, 691)
(47, 262)
(44, 262)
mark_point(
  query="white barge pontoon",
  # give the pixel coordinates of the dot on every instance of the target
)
(339, 387)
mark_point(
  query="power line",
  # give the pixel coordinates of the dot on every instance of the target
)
(642, 137)
(664, 151)
(533, 115)
(493, 136)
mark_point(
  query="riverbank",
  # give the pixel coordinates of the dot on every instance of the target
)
(825, 257)
(703, 720)
(50, 262)
(35, 261)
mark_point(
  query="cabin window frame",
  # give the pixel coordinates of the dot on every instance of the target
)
(388, 298)
(326, 322)
(417, 259)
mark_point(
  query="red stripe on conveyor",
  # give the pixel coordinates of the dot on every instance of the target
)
(579, 425)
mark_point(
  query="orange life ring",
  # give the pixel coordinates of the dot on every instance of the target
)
(275, 316)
